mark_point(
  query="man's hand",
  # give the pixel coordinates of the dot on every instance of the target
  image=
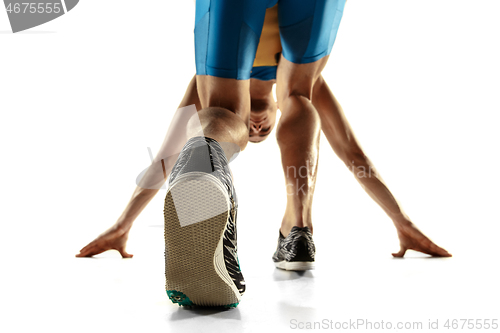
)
(113, 239)
(410, 238)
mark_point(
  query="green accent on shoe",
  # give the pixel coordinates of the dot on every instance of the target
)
(232, 305)
(179, 298)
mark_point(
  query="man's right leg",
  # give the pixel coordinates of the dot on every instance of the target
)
(225, 110)
(202, 265)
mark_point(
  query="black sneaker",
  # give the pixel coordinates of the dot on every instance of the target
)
(296, 251)
(201, 261)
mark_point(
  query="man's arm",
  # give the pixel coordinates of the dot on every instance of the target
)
(115, 238)
(343, 142)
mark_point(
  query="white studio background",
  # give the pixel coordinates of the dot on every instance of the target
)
(83, 96)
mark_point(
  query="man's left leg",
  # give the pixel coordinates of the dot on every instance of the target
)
(308, 30)
(298, 135)
(298, 138)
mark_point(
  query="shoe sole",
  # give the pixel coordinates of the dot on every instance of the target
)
(195, 269)
(295, 265)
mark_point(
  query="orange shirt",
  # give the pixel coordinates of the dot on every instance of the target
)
(269, 43)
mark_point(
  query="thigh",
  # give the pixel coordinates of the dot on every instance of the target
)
(308, 28)
(227, 33)
(230, 94)
(297, 79)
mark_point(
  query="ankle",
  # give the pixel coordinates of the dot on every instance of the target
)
(286, 227)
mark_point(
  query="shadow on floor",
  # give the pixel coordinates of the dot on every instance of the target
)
(282, 275)
(197, 311)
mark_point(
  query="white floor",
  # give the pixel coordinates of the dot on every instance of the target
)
(83, 96)
(57, 293)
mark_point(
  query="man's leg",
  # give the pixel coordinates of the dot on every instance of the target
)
(308, 30)
(202, 266)
(227, 34)
(225, 110)
(298, 138)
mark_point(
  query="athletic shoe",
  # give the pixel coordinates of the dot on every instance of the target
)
(201, 261)
(296, 251)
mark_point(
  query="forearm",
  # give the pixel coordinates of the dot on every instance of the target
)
(139, 200)
(343, 141)
(155, 176)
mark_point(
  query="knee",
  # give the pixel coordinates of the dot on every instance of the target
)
(224, 126)
(297, 79)
(298, 122)
(294, 87)
(302, 94)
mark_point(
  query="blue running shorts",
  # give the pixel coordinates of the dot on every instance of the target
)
(227, 33)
